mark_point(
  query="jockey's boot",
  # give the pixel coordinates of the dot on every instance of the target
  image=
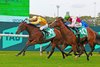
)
(47, 33)
(78, 34)
(78, 37)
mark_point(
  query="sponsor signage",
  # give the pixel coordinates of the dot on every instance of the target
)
(10, 41)
(16, 19)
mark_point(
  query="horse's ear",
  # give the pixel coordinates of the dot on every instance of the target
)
(24, 21)
(61, 19)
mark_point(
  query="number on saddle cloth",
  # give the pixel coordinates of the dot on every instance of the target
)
(51, 33)
(82, 31)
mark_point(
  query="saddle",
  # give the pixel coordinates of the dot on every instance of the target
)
(50, 31)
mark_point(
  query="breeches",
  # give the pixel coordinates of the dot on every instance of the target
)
(44, 27)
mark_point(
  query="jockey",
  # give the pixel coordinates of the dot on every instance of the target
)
(37, 20)
(84, 24)
(75, 23)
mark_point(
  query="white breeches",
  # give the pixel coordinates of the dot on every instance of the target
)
(44, 27)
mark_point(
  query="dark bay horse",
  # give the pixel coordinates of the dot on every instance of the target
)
(68, 36)
(36, 37)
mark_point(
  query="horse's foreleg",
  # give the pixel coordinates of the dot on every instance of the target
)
(61, 52)
(64, 46)
(24, 53)
(25, 50)
(22, 50)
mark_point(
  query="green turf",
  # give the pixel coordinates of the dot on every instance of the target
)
(33, 59)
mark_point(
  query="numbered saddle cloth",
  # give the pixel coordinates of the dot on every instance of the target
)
(82, 31)
(51, 33)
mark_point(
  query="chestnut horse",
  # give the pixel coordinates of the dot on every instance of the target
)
(36, 37)
(92, 39)
(69, 36)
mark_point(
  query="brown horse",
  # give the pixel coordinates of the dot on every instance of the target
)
(93, 38)
(69, 36)
(36, 37)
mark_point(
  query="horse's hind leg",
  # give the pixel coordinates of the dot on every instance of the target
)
(83, 49)
(22, 50)
(24, 53)
(52, 51)
(92, 49)
(86, 55)
(74, 49)
(45, 48)
(69, 53)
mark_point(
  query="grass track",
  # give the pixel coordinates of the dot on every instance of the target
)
(33, 59)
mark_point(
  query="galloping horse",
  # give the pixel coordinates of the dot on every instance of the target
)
(92, 39)
(36, 37)
(68, 36)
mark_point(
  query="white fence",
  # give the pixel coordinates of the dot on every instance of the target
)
(14, 35)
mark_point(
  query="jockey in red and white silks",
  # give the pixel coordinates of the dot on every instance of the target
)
(75, 22)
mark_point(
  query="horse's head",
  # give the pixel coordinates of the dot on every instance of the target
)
(21, 27)
(57, 23)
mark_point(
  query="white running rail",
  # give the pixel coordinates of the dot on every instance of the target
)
(14, 35)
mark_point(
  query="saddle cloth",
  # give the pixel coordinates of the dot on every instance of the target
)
(51, 33)
(82, 31)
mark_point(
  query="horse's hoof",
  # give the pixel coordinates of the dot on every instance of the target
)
(48, 57)
(76, 56)
(63, 57)
(87, 59)
(69, 54)
(17, 55)
(23, 54)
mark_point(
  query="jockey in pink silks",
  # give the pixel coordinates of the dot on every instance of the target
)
(75, 23)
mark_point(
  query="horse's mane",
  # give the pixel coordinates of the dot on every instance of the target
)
(32, 25)
(64, 22)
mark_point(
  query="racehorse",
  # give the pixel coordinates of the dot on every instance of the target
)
(69, 36)
(92, 38)
(36, 37)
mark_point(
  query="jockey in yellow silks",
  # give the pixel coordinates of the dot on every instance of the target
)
(41, 21)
